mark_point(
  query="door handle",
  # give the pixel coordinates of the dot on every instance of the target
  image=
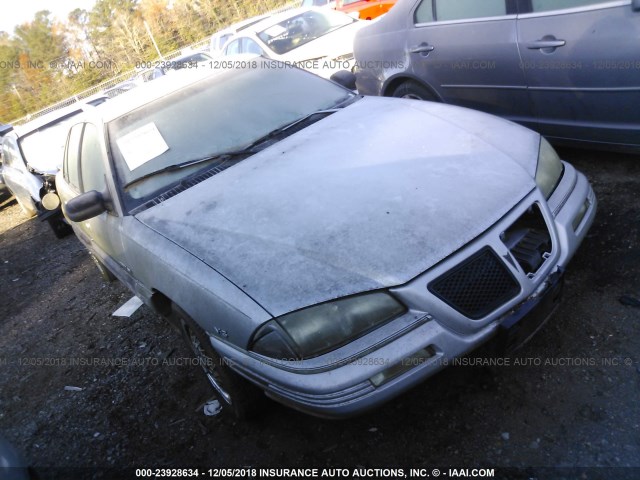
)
(548, 42)
(422, 48)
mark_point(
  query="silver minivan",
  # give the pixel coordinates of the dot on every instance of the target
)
(569, 69)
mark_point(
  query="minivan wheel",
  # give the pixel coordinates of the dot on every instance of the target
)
(413, 91)
(236, 395)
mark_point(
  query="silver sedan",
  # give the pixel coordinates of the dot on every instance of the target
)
(565, 68)
(326, 249)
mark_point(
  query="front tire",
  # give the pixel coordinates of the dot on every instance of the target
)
(413, 91)
(236, 395)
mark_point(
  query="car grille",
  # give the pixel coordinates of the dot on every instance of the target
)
(477, 286)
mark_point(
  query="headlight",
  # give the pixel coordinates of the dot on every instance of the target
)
(319, 329)
(549, 170)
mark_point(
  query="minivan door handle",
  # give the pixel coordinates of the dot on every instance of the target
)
(423, 48)
(547, 44)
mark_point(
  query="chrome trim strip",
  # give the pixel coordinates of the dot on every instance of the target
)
(599, 6)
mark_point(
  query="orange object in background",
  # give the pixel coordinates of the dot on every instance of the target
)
(367, 9)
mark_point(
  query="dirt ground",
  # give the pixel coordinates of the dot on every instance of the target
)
(573, 399)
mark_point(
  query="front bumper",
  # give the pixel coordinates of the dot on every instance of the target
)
(385, 363)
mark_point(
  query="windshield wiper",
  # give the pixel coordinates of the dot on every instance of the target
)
(246, 151)
(190, 163)
(279, 130)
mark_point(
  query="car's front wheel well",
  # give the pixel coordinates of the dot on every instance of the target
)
(234, 393)
(161, 304)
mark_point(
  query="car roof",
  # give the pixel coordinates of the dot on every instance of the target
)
(52, 117)
(47, 119)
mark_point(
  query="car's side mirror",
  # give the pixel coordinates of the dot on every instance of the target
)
(345, 78)
(85, 206)
(635, 5)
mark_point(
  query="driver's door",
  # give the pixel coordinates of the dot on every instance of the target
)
(85, 169)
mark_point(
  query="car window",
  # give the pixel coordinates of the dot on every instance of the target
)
(464, 9)
(303, 28)
(224, 38)
(97, 101)
(71, 171)
(43, 149)
(233, 48)
(424, 12)
(218, 121)
(11, 154)
(91, 164)
(250, 46)
(547, 5)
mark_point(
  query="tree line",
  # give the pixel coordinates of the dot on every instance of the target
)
(45, 61)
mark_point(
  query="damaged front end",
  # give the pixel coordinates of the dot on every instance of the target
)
(49, 207)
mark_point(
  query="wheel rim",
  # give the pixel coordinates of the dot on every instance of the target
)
(411, 96)
(209, 369)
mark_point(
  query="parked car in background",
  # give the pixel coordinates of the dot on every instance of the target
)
(185, 62)
(362, 9)
(123, 87)
(317, 3)
(4, 129)
(317, 39)
(365, 9)
(568, 69)
(218, 39)
(32, 155)
(331, 272)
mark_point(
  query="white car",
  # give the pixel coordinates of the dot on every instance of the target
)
(218, 39)
(316, 39)
(32, 155)
(318, 3)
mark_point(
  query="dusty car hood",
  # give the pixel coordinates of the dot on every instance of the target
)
(366, 198)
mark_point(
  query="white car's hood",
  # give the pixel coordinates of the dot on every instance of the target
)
(367, 198)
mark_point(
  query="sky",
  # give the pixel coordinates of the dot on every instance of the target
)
(22, 11)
